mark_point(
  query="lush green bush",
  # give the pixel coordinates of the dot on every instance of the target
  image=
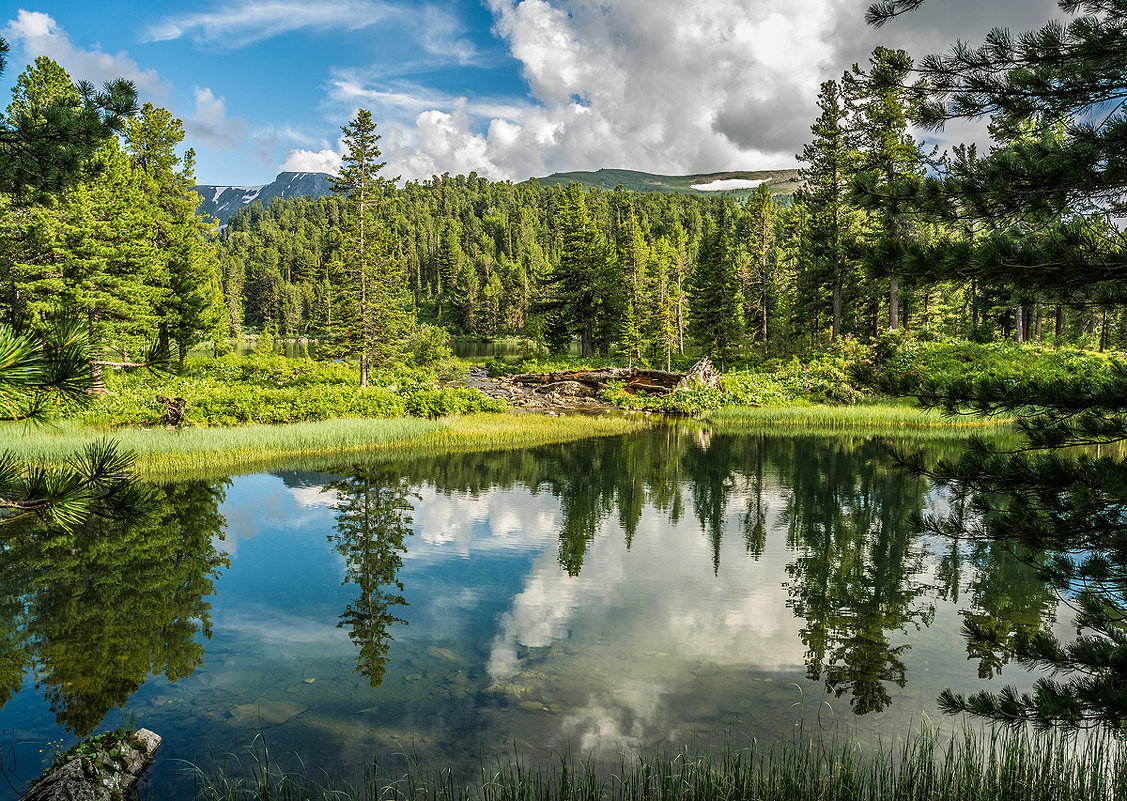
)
(432, 402)
(233, 390)
(428, 345)
(891, 365)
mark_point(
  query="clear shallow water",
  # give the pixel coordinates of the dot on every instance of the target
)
(667, 589)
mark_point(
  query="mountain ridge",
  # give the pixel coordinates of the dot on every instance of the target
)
(780, 182)
(221, 202)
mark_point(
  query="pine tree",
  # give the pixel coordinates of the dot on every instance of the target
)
(886, 103)
(192, 307)
(575, 285)
(633, 255)
(830, 158)
(760, 290)
(1066, 506)
(45, 141)
(661, 328)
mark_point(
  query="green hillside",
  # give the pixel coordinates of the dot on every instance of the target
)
(781, 182)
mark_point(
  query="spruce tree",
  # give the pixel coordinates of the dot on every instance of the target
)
(383, 315)
(714, 306)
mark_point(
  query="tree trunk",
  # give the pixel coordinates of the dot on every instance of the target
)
(1103, 332)
(894, 303)
(1017, 324)
(763, 325)
(97, 379)
(835, 329)
(586, 344)
(1059, 323)
(974, 307)
(1040, 309)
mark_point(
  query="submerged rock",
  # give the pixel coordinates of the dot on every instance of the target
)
(266, 712)
(441, 653)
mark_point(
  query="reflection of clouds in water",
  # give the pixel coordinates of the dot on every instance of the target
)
(492, 519)
(263, 502)
(646, 619)
(262, 624)
(662, 596)
(314, 497)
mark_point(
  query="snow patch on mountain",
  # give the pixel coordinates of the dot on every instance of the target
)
(222, 202)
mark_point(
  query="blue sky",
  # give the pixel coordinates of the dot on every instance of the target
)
(507, 88)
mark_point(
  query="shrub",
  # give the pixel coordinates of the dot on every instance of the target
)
(427, 345)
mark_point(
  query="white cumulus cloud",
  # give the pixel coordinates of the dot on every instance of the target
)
(657, 85)
(38, 34)
(327, 161)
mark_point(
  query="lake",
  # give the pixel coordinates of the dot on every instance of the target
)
(676, 587)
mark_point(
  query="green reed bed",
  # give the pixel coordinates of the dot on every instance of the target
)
(207, 452)
(1006, 766)
(870, 418)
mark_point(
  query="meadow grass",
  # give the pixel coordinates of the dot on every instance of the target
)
(1007, 765)
(167, 454)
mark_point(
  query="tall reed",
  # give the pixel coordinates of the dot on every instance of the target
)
(998, 765)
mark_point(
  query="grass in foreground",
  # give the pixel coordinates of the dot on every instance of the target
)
(1007, 766)
(164, 454)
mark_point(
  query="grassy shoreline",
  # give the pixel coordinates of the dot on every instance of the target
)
(164, 454)
(167, 454)
(1008, 765)
(876, 419)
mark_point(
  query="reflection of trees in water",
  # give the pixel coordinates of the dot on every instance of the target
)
(857, 576)
(95, 612)
(373, 523)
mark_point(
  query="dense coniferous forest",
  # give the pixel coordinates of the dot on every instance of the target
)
(493, 259)
(638, 276)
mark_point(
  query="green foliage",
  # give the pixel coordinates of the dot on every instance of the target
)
(107, 743)
(236, 390)
(714, 289)
(52, 127)
(428, 345)
(1035, 220)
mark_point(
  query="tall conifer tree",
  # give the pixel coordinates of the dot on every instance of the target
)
(383, 314)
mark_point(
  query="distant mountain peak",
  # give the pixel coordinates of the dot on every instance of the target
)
(222, 202)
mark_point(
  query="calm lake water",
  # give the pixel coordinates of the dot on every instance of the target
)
(672, 588)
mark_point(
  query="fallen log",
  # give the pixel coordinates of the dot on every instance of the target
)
(598, 379)
(636, 379)
(108, 770)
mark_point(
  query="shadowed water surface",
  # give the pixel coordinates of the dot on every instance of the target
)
(677, 587)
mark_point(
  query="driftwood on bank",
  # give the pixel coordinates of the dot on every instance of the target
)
(635, 379)
(174, 410)
(108, 773)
